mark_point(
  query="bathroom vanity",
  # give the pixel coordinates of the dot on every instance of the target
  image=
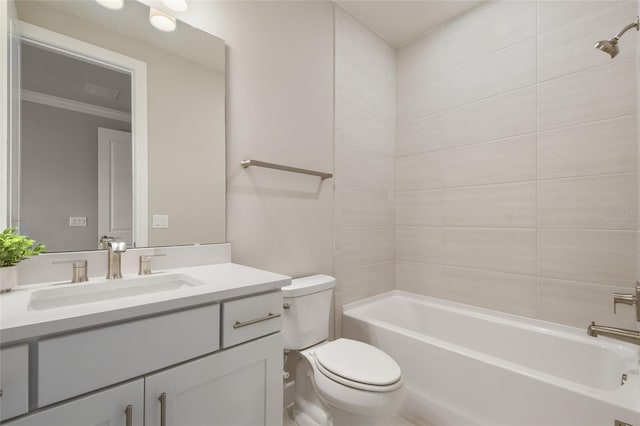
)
(189, 346)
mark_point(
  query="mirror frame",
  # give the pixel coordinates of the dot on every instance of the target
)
(138, 71)
(4, 113)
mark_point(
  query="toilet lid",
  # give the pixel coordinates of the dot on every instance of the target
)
(358, 362)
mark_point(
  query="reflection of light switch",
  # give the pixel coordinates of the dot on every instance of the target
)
(160, 220)
(77, 221)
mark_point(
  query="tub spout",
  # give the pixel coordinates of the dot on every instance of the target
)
(623, 334)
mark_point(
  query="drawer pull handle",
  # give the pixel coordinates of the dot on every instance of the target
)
(128, 414)
(163, 409)
(239, 324)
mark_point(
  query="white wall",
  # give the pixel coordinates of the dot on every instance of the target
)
(516, 161)
(365, 137)
(280, 110)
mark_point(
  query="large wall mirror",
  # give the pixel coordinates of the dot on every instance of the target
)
(116, 128)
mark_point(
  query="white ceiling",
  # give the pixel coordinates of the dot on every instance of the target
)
(399, 21)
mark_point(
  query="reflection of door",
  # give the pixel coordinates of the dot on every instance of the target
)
(115, 185)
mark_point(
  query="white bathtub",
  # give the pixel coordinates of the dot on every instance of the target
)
(464, 365)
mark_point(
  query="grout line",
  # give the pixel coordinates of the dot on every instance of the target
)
(444, 188)
(537, 247)
(552, 129)
(610, 230)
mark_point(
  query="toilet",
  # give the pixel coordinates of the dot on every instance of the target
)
(342, 382)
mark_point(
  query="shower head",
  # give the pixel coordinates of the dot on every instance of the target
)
(611, 46)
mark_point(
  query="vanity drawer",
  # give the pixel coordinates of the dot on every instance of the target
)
(251, 317)
(81, 362)
(14, 381)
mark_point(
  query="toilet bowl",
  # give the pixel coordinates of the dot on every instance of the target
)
(342, 382)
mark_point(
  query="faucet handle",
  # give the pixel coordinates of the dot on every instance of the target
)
(145, 263)
(628, 299)
(79, 272)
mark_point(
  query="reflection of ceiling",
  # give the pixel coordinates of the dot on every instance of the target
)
(133, 21)
(56, 74)
(400, 22)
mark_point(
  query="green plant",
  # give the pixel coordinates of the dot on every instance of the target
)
(14, 247)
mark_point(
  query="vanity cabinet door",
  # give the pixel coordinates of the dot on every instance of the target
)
(14, 381)
(241, 386)
(120, 405)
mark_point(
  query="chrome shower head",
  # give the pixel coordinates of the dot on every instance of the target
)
(611, 46)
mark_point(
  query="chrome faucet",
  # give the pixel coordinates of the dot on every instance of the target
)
(114, 254)
(623, 334)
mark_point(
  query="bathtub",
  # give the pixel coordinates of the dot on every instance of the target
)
(464, 365)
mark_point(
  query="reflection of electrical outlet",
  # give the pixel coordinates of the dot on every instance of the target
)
(77, 221)
(161, 221)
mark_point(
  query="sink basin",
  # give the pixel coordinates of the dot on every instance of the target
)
(79, 294)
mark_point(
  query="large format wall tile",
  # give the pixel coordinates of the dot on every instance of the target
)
(367, 280)
(360, 128)
(362, 245)
(601, 147)
(420, 61)
(560, 13)
(502, 116)
(417, 172)
(493, 249)
(516, 151)
(502, 71)
(422, 208)
(595, 94)
(511, 293)
(418, 277)
(605, 257)
(418, 136)
(363, 168)
(365, 133)
(507, 160)
(597, 202)
(486, 29)
(424, 98)
(504, 205)
(419, 244)
(363, 207)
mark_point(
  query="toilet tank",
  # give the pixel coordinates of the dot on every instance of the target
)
(307, 306)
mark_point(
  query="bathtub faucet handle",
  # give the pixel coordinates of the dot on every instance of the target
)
(628, 299)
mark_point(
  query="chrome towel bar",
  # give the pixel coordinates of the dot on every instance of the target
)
(322, 175)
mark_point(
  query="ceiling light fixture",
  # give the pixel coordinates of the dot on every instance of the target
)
(161, 20)
(175, 5)
(111, 4)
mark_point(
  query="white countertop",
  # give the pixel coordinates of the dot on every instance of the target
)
(221, 281)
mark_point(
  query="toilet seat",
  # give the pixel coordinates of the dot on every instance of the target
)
(358, 365)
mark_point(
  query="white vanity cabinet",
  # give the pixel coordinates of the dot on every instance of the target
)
(241, 386)
(120, 405)
(14, 381)
(172, 369)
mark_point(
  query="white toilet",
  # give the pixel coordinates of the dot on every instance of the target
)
(343, 382)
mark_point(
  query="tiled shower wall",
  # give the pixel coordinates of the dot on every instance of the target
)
(516, 164)
(365, 94)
